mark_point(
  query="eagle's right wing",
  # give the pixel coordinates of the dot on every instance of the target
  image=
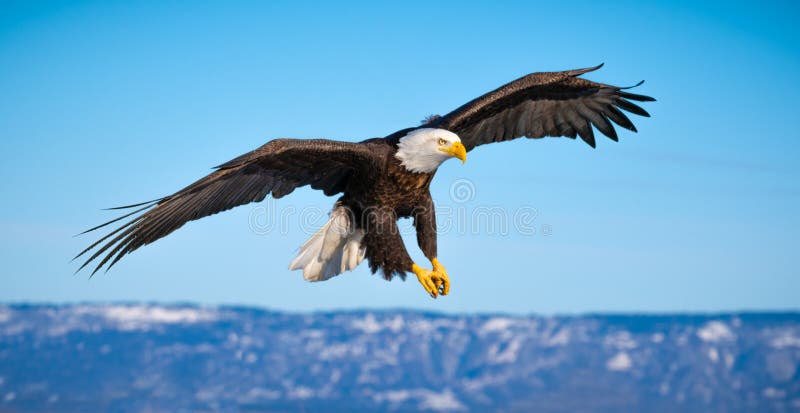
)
(278, 167)
(543, 104)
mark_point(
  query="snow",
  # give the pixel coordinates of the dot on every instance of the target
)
(497, 324)
(134, 317)
(392, 396)
(370, 325)
(93, 318)
(620, 362)
(5, 314)
(713, 355)
(395, 324)
(421, 326)
(785, 340)
(428, 400)
(621, 340)
(259, 394)
(341, 350)
(773, 393)
(440, 401)
(715, 331)
(561, 338)
(729, 360)
(485, 380)
(336, 375)
(206, 395)
(88, 318)
(301, 392)
(313, 360)
(176, 349)
(507, 355)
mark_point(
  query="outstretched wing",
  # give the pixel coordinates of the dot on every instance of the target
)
(277, 167)
(543, 104)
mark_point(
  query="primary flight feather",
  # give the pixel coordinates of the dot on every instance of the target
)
(381, 179)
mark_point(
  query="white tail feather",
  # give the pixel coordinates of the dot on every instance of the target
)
(332, 250)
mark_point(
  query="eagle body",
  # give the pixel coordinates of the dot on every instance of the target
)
(373, 199)
(379, 180)
(386, 194)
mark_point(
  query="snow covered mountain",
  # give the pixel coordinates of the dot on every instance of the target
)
(153, 358)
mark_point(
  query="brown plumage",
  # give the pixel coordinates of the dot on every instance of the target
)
(544, 104)
(374, 185)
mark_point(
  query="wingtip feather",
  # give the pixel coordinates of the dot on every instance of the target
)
(634, 96)
(116, 219)
(641, 82)
(578, 72)
(631, 107)
(134, 205)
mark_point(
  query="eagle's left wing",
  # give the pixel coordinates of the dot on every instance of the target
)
(278, 168)
(543, 104)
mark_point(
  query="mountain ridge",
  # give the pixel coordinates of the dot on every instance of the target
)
(185, 357)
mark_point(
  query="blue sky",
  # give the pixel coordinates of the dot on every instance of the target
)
(108, 103)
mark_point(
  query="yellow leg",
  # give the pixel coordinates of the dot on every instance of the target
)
(435, 282)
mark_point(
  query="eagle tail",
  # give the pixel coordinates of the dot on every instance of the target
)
(332, 250)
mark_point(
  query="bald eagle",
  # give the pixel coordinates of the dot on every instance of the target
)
(380, 180)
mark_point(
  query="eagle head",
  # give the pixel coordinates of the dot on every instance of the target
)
(423, 150)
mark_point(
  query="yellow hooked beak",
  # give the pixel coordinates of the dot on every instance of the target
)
(457, 150)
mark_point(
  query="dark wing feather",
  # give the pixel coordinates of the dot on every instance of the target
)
(278, 167)
(544, 104)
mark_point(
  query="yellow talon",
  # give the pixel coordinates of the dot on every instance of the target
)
(425, 278)
(438, 268)
(435, 282)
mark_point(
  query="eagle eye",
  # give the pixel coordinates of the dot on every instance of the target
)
(442, 142)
